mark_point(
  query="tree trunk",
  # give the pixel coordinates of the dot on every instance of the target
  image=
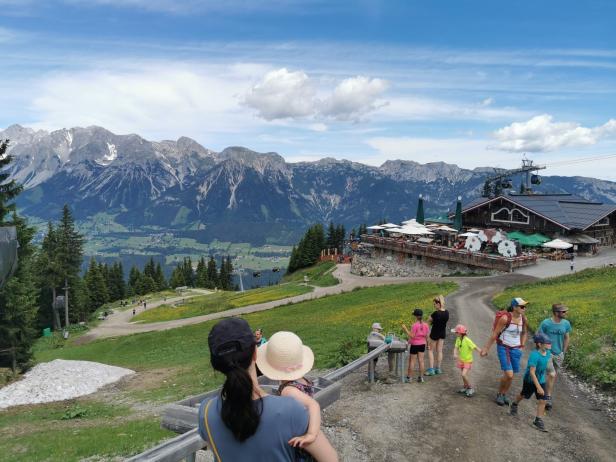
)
(66, 322)
(14, 362)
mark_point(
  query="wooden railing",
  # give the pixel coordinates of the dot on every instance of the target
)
(182, 417)
(478, 259)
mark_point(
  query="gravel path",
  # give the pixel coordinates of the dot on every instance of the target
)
(431, 422)
(58, 380)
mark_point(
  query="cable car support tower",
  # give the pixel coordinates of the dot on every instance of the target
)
(501, 179)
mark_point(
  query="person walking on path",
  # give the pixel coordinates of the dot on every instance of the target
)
(259, 339)
(243, 422)
(558, 329)
(535, 378)
(463, 354)
(509, 332)
(417, 341)
(572, 263)
(438, 319)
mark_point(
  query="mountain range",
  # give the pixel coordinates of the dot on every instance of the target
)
(237, 195)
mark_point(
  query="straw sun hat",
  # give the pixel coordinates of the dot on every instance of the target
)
(284, 357)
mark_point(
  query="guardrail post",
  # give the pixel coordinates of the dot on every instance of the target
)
(371, 371)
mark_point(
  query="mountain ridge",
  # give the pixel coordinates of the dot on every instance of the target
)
(184, 186)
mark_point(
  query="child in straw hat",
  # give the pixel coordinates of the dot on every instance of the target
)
(286, 359)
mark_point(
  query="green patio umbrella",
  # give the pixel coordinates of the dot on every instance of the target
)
(457, 221)
(420, 210)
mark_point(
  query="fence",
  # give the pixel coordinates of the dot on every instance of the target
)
(481, 260)
(182, 417)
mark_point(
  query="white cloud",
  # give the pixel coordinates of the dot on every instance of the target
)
(541, 134)
(354, 97)
(283, 94)
(154, 99)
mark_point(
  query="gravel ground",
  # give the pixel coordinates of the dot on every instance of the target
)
(59, 380)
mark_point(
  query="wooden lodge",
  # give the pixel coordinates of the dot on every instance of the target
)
(581, 222)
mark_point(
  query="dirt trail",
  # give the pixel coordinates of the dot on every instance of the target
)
(431, 422)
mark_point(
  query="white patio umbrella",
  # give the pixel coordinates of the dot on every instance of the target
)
(447, 228)
(375, 227)
(558, 244)
(467, 234)
(390, 225)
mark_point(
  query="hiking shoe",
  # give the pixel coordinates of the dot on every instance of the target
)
(514, 409)
(539, 425)
(548, 403)
(437, 371)
(420, 379)
(407, 379)
(500, 399)
(462, 391)
(430, 372)
(470, 392)
(506, 400)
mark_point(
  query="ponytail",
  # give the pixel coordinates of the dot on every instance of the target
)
(239, 412)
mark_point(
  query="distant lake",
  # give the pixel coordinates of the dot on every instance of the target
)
(267, 278)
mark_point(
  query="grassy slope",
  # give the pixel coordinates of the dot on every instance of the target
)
(220, 301)
(590, 296)
(175, 363)
(318, 275)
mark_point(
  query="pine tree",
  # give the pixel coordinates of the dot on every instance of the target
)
(95, 284)
(177, 277)
(49, 275)
(133, 280)
(189, 275)
(159, 278)
(201, 273)
(331, 236)
(70, 254)
(212, 273)
(8, 189)
(18, 304)
(487, 189)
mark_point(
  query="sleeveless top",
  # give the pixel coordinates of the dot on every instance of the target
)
(307, 389)
(511, 335)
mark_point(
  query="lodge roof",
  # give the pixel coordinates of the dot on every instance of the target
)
(566, 210)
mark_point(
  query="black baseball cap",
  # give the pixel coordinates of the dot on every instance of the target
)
(229, 336)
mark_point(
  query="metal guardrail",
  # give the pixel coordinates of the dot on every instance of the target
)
(482, 260)
(182, 417)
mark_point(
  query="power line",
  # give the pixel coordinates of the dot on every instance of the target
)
(581, 160)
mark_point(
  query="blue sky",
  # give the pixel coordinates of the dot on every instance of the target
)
(468, 82)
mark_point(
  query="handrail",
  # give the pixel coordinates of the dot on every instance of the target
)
(187, 444)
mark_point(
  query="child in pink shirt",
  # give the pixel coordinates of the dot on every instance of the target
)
(418, 336)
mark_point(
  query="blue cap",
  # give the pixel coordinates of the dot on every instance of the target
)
(542, 338)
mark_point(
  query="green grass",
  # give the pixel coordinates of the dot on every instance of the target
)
(175, 363)
(590, 296)
(73, 430)
(220, 301)
(318, 275)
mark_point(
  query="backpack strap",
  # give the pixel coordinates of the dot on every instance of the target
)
(209, 433)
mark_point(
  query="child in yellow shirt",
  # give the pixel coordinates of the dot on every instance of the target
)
(463, 354)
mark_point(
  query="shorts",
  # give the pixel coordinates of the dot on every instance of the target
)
(555, 363)
(438, 335)
(529, 389)
(415, 349)
(509, 358)
(463, 365)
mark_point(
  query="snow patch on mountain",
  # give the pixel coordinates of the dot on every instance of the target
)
(111, 155)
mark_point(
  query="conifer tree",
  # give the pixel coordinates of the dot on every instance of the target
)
(70, 254)
(212, 273)
(96, 286)
(18, 304)
(133, 280)
(159, 278)
(49, 276)
(201, 273)
(177, 277)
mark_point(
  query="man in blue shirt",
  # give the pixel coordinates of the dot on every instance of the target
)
(557, 328)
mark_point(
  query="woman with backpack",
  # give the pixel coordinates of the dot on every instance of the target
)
(509, 331)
